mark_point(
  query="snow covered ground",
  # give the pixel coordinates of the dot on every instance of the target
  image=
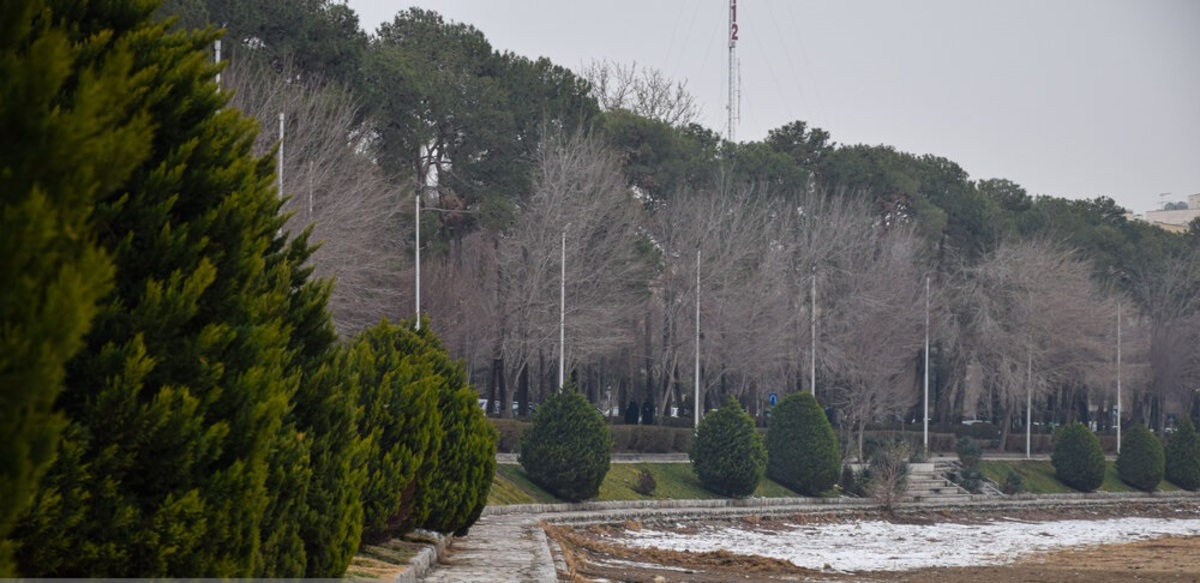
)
(883, 546)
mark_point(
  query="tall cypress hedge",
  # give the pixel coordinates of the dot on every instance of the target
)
(185, 454)
(466, 458)
(802, 449)
(73, 130)
(400, 424)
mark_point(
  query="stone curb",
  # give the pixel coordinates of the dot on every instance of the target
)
(426, 558)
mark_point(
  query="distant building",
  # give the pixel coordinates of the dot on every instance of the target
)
(1176, 219)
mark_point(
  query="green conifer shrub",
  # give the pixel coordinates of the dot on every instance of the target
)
(802, 449)
(1183, 456)
(183, 387)
(1078, 458)
(1141, 463)
(326, 412)
(73, 130)
(1013, 483)
(467, 458)
(399, 419)
(567, 450)
(728, 455)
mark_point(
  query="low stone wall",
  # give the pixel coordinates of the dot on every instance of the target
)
(642, 510)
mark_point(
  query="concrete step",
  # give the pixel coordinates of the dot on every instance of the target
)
(944, 498)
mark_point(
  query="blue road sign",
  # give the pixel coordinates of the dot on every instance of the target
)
(772, 399)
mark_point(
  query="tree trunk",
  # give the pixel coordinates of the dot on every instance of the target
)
(1005, 427)
(523, 391)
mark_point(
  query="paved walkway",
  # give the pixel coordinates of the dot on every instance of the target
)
(498, 548)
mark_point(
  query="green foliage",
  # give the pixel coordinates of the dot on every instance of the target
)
(969, 452)
(441, 88)
(178, 404)
(1013, 483)
(567, 449)
(728, 454)
(1141, 463)
(1078, 459)
(399, 389)
(802, 449)
(1183, 456)
(73, 130)
(318, 37)
(645, 483)
(467, 458)
(326, 414)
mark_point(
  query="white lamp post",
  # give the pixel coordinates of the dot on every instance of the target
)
(698, 405)
(925, 414)
(562, 312)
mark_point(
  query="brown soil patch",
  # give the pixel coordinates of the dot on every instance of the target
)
(591, 553)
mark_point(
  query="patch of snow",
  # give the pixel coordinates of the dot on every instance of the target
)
(883, 546)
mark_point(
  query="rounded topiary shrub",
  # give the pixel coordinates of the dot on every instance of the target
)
(567, 448)
(1078, 459)
(728, 454)
(1183, 456)
(1141, 462)
(802, 450)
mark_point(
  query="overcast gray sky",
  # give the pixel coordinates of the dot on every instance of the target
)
(1070, 98)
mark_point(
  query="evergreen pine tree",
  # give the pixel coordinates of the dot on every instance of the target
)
(185, 379)
(72, 130)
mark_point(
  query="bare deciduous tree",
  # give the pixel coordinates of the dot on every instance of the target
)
(874, 326)
(514, 288)
(331, 184)
(1168, 295)
(643, 90)
(1030, 310)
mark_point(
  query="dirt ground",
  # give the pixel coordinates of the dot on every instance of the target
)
(592, 553)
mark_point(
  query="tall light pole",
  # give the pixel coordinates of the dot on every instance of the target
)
(698, 405)
(925, 416)
(280, 171)
(812, 368)
(1118, 377)
(1029, 404)
(562, 312)
(417, 216)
